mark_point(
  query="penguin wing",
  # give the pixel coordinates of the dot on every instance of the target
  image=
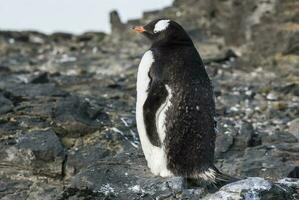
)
(157, 94)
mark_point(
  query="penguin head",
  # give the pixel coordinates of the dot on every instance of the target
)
(163, 32)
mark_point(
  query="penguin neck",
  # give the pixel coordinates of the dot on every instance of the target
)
(172, 43)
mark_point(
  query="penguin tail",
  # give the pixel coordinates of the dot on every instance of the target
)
(211, 179)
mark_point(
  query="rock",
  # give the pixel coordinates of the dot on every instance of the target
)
(248, 136)
(40, 78)
(177, 183)
(5, 105)
(85, 157)
(270, 160)
(223, 143)
(272, 97)
(122, 180)
(44, 144)
(44, 191)
(224, 138)
(290, 182)
(231, 140)
(75, 117)
(293, 45)
(294, 127)
(39, 151)
(251, 188)
(116, 25)
(291, 88)
(278, 137)
(34, 90)
(67, 105)
(229, 54)
(74, 193)
(91, 37)
(294, 173)
(14, 189)
(59, 36)
(109, 181)
(4, 69)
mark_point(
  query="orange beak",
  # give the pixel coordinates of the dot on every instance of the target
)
(139, 29)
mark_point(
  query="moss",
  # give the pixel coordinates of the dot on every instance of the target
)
(265, 90)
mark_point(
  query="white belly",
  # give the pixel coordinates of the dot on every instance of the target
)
(155, 156)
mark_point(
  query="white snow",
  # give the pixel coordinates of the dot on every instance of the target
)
(106, 189)
(290, 182)
(123, 135)
(252, 185)
(136, 189)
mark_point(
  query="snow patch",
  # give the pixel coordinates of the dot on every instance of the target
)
(106, 189)
(136, 189)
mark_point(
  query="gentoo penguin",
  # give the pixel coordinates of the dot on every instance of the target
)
(175, 106)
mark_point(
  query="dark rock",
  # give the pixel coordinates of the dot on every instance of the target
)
(223, 143)
(294, 173)
(278, 137)
(125, 177)
(292, 88)
(22, 38)
(116, 25)
(23, 189)
(74, 193)
(39, 151)
(14, 189)
(108, 178)
(229, 140)
(85, 157)
(35, 90)
(5, 105)
(91, 36)
(45, 145)
(75, 117)
(44, 191)
(58, 36)
(295, 18)
(273, 161)
(225, 137)
(229, 54)
(40, 78)
(247, 135)
(294, 127)
(293, 45)
(4, 69)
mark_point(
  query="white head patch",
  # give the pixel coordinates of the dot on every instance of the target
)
(161, 25)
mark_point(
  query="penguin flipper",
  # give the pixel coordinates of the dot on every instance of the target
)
(157, 94)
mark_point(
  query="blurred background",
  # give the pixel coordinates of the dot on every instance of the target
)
(78, 16)
(68, 93)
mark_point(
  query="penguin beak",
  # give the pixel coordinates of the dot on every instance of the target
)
(139, 29)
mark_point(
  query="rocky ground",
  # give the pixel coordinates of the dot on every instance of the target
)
(67, 112)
